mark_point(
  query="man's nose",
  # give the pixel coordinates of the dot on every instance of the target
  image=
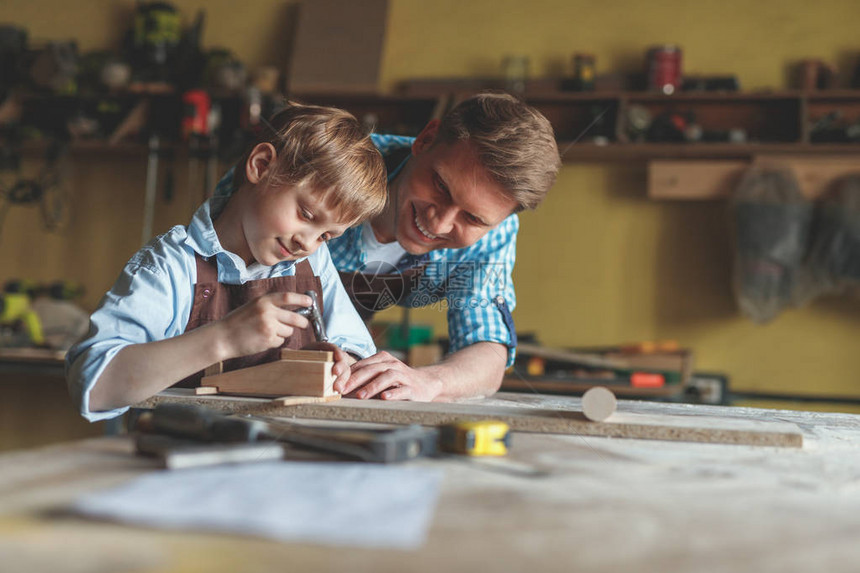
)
(443, 220)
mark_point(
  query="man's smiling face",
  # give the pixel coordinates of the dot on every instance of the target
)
(445, 198)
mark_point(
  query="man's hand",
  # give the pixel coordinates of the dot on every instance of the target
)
(387, 377)
(342, 360)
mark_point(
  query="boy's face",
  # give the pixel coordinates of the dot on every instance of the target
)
(445, 198)
(287, 223)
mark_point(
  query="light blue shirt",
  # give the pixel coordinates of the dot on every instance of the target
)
(472, 284)
(153, 296)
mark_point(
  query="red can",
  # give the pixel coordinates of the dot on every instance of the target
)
(664, 69)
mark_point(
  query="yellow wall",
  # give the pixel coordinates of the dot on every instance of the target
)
(598, 263)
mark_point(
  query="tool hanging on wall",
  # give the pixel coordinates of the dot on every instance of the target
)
(163, 117)
(154, 40)
(196, 107)
(46, 190)
(151, 185)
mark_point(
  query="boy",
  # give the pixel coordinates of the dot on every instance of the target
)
(225, 287)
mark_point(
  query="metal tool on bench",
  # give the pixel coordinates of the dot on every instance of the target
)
(184, 436)
(315, 316)
(367, 445)
(172, 431)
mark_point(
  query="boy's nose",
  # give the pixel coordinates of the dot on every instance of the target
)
(301, 244)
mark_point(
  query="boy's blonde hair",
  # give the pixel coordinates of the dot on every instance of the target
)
(327, 149)
(514, 141)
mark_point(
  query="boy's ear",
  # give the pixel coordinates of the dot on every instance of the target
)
(426, 138)
(261, 158)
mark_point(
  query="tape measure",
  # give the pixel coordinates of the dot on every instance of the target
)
(475, 438)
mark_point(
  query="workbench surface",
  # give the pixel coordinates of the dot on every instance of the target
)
(608, 504)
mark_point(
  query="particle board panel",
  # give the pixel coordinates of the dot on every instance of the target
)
(542, 414)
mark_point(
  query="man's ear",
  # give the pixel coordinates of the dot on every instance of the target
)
(261, 158)
(426, 138)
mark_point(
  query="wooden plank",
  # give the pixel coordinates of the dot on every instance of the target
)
(205, 390)
(41, 355)
(715, 179)
(274, 379)
(293, 400)
(697, 180)
(523, 413)
(313, 355)
(213, 369)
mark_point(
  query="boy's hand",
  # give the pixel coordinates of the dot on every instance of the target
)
(342, 361)
(263, 323)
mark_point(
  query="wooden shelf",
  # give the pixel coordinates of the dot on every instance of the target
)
(773, 122)
(593, 126)
(588, 152)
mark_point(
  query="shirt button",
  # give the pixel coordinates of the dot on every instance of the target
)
(500, 299)
(206, 293)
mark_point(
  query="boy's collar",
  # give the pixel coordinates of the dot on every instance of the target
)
(201, 231)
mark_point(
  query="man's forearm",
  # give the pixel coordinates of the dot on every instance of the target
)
(476, 370)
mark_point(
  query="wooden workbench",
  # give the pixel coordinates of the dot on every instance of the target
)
(35, 408)
(607, 505)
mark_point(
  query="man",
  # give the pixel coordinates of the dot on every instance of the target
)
(449, 234)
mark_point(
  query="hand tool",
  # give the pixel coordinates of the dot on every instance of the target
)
(361, 444)
(186, 435)
(192, 425)
(313, 314)
(475, 438)
(176, 453)
(194, 422)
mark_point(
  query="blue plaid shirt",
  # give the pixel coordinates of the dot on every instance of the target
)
(474, 283)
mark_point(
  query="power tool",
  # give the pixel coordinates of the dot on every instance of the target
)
(15, 312)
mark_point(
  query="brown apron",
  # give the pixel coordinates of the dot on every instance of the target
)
(371, 293)
(214, 300)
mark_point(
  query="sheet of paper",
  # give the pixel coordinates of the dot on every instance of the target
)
(350, 504)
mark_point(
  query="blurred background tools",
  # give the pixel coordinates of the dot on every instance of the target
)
(18, 321)
(41, 314)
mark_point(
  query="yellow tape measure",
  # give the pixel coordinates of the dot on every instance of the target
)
(478, 438)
